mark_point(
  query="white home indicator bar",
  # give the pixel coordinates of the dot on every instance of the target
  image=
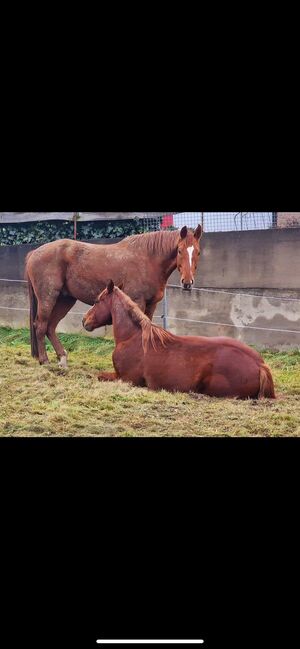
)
(151, 642)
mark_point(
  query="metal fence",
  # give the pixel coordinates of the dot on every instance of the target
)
(166, 319)
(211, 222)
(220, 221)
(148, 221)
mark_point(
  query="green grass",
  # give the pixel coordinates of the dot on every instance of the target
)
(48, 401)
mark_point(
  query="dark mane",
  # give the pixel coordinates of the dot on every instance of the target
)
(161, 242)
(152, 335)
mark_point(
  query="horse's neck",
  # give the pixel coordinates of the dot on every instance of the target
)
(123, 325)
(168, 264)
(159, 252)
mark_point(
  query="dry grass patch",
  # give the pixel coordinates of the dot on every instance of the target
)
(48, 401)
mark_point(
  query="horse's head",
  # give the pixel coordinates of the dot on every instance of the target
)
(188, 253)
(100, 314)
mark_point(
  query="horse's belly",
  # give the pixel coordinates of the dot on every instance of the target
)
(165, 373)
(82, 290)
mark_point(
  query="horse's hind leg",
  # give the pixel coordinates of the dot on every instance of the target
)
(44, 311)
(62, 307)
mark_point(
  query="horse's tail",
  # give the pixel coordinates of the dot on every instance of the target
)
(33, 314)
(266, 385)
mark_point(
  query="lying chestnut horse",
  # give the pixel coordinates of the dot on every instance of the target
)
(61, 272)
(147, 355)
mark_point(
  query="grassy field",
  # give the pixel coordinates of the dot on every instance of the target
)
(48, 401)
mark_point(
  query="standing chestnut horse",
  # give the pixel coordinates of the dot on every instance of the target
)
(147, 355)
(61, 272)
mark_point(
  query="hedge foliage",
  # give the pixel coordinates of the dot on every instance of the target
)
(13, 234)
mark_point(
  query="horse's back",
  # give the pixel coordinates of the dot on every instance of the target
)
(48, 250)
(46, 265)
(217, 343)
(214, 366)
(57, 252)
(237, 344)
(54, 247)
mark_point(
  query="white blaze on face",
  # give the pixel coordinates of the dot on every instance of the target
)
(190, 250)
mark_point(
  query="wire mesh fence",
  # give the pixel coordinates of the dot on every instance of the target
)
(24, 227)
(219, 221)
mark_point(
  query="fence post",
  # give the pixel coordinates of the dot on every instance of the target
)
(76, 216)
(165, 309)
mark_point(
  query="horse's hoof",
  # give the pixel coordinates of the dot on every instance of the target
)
(63, 362)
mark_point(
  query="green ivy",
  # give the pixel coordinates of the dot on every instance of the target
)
(43, 232)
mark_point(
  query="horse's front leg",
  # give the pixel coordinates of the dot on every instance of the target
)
(107, 376)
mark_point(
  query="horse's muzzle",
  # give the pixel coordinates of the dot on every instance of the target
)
(86, 326)
(187, 287)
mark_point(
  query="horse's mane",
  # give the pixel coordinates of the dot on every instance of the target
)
(160, 242)
(152, 335)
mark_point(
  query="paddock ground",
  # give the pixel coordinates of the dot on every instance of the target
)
(48, 401)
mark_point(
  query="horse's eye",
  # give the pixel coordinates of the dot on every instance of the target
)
(179, 252)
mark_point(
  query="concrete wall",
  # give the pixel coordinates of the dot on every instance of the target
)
(241, 311)
(265, 262)
(253, 259)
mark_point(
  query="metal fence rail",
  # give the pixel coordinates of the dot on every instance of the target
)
(165, 317)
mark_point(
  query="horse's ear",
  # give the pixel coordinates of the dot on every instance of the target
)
(198, 232)
(183, 232)
(121, 286)
(110, 286)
